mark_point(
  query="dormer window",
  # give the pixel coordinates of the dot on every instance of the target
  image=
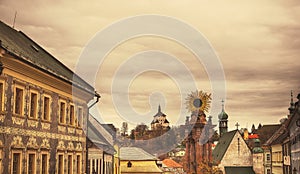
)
(129, 164)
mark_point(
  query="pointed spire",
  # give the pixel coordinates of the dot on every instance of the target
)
(292, 104)
(222, 104)
(223, 115)
(159, 109)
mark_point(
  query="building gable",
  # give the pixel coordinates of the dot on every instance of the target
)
(232, 150)
(238, 152)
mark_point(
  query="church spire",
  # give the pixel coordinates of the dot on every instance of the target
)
(292, 104)
(222, 105)
(223, 119)
(159, 109)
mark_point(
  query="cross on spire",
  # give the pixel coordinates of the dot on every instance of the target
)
(237, 125)
(292, 102)
(292, 105)
(222, 104)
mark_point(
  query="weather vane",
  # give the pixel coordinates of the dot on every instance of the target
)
(198, 100)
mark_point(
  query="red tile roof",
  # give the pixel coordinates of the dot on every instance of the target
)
(171, 163)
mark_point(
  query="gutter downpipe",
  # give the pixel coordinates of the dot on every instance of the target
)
(87, 139)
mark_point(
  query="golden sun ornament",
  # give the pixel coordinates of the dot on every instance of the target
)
(198, 100)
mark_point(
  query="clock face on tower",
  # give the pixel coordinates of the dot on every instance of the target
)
(198, 100)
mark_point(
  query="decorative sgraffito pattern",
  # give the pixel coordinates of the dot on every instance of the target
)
(17, 142)
(61, 145)
(2, 117)
(71, 130)
(78, 147)
(32, 143)
(33, 133)
(45, 126)
(62, 129)
(32, 123)
(45, 144)
(70, 146)
(18, 121)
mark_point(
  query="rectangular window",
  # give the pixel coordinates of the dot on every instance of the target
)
(46, 109)
(44, 164)
(70, 164)
(79, 116)
(19, 101)
(78, 163)
(1, 96)
(33, 105)
(268, 171)
(62, 112)
(31, 163)
(16, 164)
(97, 166)
(268, 156)
(72, 115)
(93, 166)
(60, 164)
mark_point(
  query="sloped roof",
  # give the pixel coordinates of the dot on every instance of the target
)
(158, 115)
(26, 50)
(266, 131)
(222, 146)
(99, 136)
(171, 163)
(140, 167)
(238, 170)
(278, 136)
(135, 153)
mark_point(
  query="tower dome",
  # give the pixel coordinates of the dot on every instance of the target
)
(223, 115)
(257, 148)
(223, 121)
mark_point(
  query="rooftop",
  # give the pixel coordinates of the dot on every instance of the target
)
(135, 154)
(23, 48)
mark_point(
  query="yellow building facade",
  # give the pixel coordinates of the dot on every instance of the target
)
(42, 110)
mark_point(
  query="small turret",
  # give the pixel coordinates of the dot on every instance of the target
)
(292, 105)
(223, 119)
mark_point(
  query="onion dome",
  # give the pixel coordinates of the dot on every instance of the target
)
(223, 115)
(257, 148)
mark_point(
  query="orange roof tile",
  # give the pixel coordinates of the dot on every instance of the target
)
(171, 163)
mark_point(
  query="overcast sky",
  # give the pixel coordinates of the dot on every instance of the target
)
(257, 42)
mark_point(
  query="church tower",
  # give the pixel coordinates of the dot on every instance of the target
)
(292, 105)
(160, 121)
(198, 142)
(223, 121)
